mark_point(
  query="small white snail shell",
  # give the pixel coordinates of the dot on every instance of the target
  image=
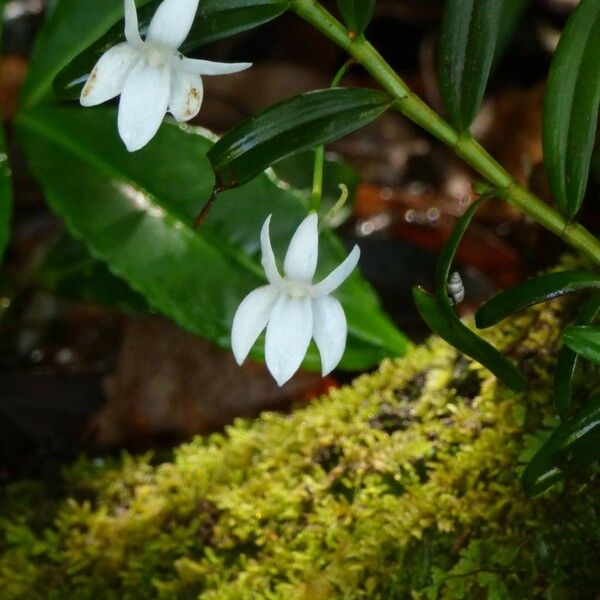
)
(456, 289)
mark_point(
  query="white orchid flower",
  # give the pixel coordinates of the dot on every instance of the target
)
(293, 309)
(151, 76)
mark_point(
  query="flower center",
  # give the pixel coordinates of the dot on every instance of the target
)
(297, 290)
(156, 55)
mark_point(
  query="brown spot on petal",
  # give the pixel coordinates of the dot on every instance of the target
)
(90, 82)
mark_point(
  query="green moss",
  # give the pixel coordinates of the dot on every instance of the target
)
(403, 485)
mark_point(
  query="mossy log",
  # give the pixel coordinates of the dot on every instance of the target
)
(402, 485)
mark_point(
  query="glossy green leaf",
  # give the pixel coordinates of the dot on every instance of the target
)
(533, 291)
(70, 271)
(571, 107)
(215, 19)
(356, 13)
(451, 329)
(134, 212)
(300, 123)
(466, 52)
(568, 359)
(439, 314)
(585, 340)
(512, 14)
(574, 443)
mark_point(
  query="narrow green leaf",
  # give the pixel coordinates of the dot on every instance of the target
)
(439, 313)
(357, 14)
(512, 14)
(568, 359)
(450, 328)
(571, 107)
(134, 212)
(300, 123)
(585, 340)
(574, 443)
(466, 52)
(533, 291)
(446, 258)
(70, 271)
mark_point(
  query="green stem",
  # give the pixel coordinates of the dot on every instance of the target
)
(317, 187)
(463, 144)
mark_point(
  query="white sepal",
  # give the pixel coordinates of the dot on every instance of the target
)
(288, 335)
(108, 76)
(330, 330)
(208, 67)
(335, 279)
(301, 258)
(187, 92)
(132, 30)
(144, 102)
(250, 319)
(268, 256)
(172, 22)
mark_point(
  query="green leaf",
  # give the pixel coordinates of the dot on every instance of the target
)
(134, 212)
(585, 340)
(215, 19)
(512, 13)
(462, 338)
(568, 359)
(70, 271)
(533, 291)
(439, 314)
(571, 107)
(300, 123)
(5, 194)
(466, 52)
(574, 443)
(356, 14)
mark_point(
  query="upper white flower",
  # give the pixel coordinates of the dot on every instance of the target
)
(151, 75)
(293, 309)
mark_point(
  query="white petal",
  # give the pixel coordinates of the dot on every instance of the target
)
(330, 330)
(250, 319)
(172, 22)
(301, 258)
(187, 92)
(288, 335)
(338, 276)
(144, 102)
(268, 256)
(108, 76)
(207, 67)
(132, 32)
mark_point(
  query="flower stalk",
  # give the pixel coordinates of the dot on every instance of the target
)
(463, 144)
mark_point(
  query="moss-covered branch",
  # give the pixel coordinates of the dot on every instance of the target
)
(404, 483)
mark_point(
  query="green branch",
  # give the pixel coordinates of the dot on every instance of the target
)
(463, 144)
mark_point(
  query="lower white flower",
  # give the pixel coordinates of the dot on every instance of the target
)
(293, 309)
(151, 76)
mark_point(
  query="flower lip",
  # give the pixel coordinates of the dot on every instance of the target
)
(297, 290)
(157, 55)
